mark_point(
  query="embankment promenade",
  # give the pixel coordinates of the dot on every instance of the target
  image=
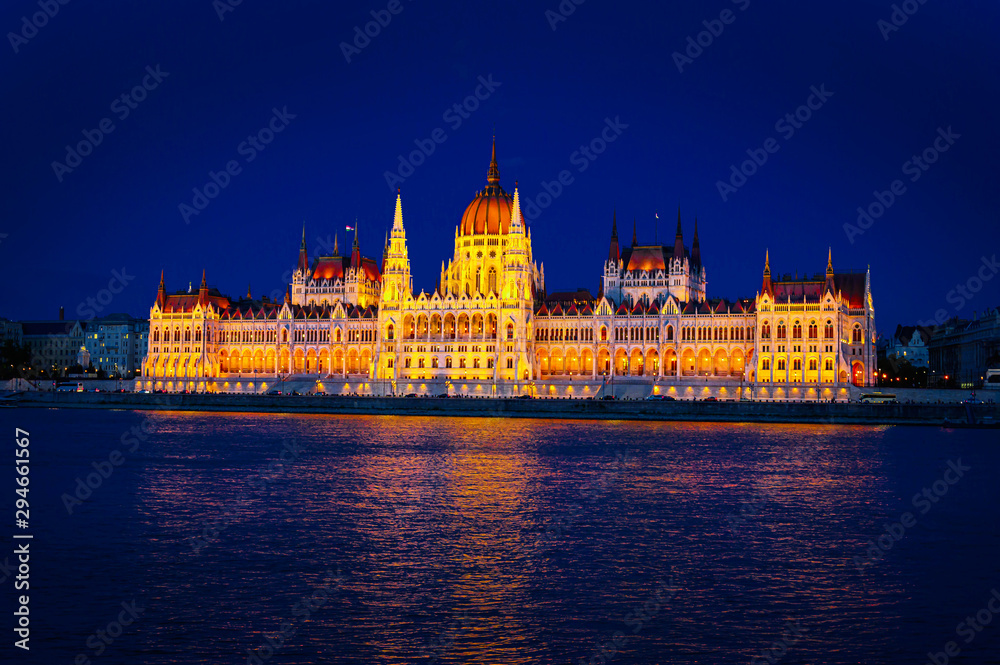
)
(581, 409)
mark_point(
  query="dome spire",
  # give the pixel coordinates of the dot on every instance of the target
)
(493, 175)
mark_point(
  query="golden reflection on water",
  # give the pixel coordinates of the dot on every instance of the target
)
(438, 518)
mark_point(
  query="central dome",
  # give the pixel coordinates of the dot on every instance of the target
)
(491, 210)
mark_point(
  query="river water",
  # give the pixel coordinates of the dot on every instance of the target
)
(235, 538)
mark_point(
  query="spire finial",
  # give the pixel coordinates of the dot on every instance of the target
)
(614, 223)
(249, 297)
(634, 243)
(303, 235)
(679, 232)
(829, 260)
(336, 249)
(493, 175)
(397, 220)
(203, 284)
(355, 233)
(767, 262)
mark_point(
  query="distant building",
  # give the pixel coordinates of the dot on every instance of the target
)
(54, 344)
(10, 331)
(117, 343)
(963, 350)
(909, 343)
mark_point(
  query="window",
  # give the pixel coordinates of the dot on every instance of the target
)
(434, 363)
(390, 332)
(813, 330)
(797, 330)
(797, 364)
(781, 330)
(828, 330)
(407, 363)
(420, 363)
(765, 363)
(856, 334)
(510, 363)
(765, 331)
(812, 364)
(489, 363)
(461, 363)
(828, 366)
(447, 362)
(781, 364)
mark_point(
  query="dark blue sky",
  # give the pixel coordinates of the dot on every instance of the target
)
(119, 207)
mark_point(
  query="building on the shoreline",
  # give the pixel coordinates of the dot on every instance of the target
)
(116, 344)
(961, 351)
(352, 324)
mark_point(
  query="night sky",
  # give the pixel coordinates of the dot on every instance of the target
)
(887, 93)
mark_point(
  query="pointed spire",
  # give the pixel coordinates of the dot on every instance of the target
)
(634, 242)
(355, 250)
(355, 245)
(397, 220)
(336, 248)
(614, 252)
(161, 292)
(516, 221)
(288, 295)
(203, 289)
(829, 271)
(303, 257)
(695, 245)
(493, 175)
(766, 286)
(679, 239)
(249, 297)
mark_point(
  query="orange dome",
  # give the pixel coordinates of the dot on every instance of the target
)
(491, 210)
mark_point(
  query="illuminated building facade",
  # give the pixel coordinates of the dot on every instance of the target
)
(357, 325)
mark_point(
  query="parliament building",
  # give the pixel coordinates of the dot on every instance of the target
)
(353, 324)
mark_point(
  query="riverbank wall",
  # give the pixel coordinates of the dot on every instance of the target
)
(488, 407)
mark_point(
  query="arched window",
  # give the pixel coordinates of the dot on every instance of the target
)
(447, 362)
(510, 331)
(782, 332)
(177, 334)
(197, 334)
(604, 334)
(828, 330)
(156, 334)
(493, 280)
(797, 330)
(284, 335)
(434, 362)
(813, 330)
(765, 331)
(390, 331)
(856, 337)
(479, 280)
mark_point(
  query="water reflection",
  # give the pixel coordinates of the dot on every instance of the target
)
(439, 525)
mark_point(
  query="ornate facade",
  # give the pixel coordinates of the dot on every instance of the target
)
(357, 325)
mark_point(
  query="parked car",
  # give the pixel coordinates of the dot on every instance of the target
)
(524, 396)
(411, 395)
(711, 398)
(609, 397)
(444, 396)
(661, 398)
(273, 391)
